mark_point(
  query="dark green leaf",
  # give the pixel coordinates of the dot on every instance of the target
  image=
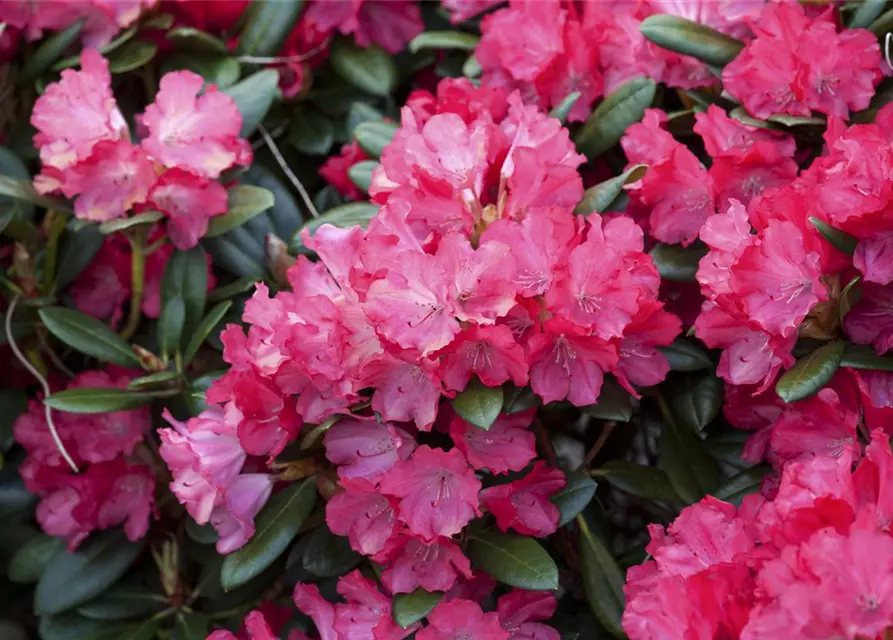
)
(727, 445)
(254, 95)
(191, 626)
(623, 107)
(690, 469)
(74, 61)
(368, 68)
(328, 555)
(50, 50)
(697, 400)
(170, 327)
(242, 285)
(409, 608)
(70, 626)
(267, 26)
(311, 132)
(737, 487)
(361, 174)
(16, 502)
(867, 13)
(677, 263)
(284, 215)
(444, 40)
(97, 400)
(216, 69)
(111, 226)
(850, 295)
(359, 113)
(11, 165)
(516, 561)
(860, 356)
(13, 403)
(577, 493)
(275, 527)
(196, 41)
(132, 55)
(614, 403)
(811, 372)
(201, 533)
(22, 189)
(88, 335)
(231, 255)
(840, 239)
(788, 120)
(683, 355)
(347, 215)
(649, 483)
(186, 278)
(71, 579)
(123, 601)
(30, 561)
(204, 329)
(78, 250)
(479, 404)
(373, 137)
(519, 399)
(159, 379)
(882, 25)
(691, 39)
(597, 199)
(602, 580)
(245, 202)
(563, 108)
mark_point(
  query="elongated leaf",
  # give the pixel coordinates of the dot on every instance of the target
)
(409, 608)
(311, 132)
(88, 335)
(97, 400)
(70, 626)
(690, 469)
(21, 189)
(623, 107)
(267, 26)
(697, 400)
(368, 68)
(602, 580)
(132, 55)
(883, 24)
(597, 199)
(111, 226)
(13, 403)
(170, 327)
(472, 68)
(444, 40)
(78, 250)
(650, 483)
(347, 215)
(31, 560)
(373, 137)
(196, 41)
(677, 263)
(328, 555)
(204, 329)
(840, 239)
(361, 174)
(123, 601)
(479, 404)
(11, 165)
(276, 526)
(811, 372)
(745, 483)
(71, 579)
(122, 38)
(683, 355)
(254, 96)
(191, 626)
(867, 13)
(158, 379)
(245, 202)
(691, 39)
(614, 403)
(860, 356)
(217, 69)
(514, 560)
(563, 108)
(577, 493)
(186, 279)
(50, 50)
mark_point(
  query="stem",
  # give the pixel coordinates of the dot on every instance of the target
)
(56, 227)
(308, 202)
(545, 443)
(138, 275)
(43, 383)
(602, 439)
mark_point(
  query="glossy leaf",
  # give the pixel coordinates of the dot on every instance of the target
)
(861, 356)
(563, 108)
(111, 226)
(245, 202)
(361, 174)
(691, 39)
(217, 69)
(122, 601)
(373, 137)
(811, 372)
(160, 378)
(267, 26)
(347, 215)
(311, 132)
(254, 96)
(614, 403)
(185, 278)
(170, 327)
(191, 626)
(49, 51)
(30, 561)
(683, 355)
(370, 69)
(327, 555)
(677, 263)
(196, 41)
(690, 469)
(516, 561)
(867, 13)
(409, 608)
(697, 400)
(597, 199)
(88, 335)
(623, 107)
(743, 484)
(649, 483)
(70, 626)
(479, 404)
(77, 252)
(444, 40)
(204, 329)
(576, 495)
(840, 239)
(97, 400)
(22, 189)
(132, 55)
(602, 580)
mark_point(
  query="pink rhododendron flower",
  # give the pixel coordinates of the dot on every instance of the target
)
(462, 618)
(190, 202)
(103, 19)
(524, 505)
(366, 449)
(461, 10)
(334, 170)
(508, 445)
(491, 353)
(414, 563)
(387, 23)
(521, 614)
(364, 515)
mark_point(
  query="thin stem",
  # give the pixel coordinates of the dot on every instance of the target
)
(545, 442)
(43, 383)
(138, 275)
(285, 59)
(602, 439)
(53, 356)
(288, 172)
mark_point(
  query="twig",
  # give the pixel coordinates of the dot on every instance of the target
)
(285, 59)
(43, 383)
(602, 439)
(288, 172)
(545, 442)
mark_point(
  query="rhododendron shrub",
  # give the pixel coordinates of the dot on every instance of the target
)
(381, 319)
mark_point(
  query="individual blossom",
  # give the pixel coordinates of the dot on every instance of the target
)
(414, 563)
(365, 448)
(524, 505)
(335, 170)
(462, 618)
(522, 613)
(189, 201)
(363, 514)
(387, 23)
(870, 320)
(508, 445)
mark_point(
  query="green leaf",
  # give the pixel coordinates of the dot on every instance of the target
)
(311, 132)
(70, 626)
(16, 503)
(597, 199)
(683, 355)
(88, 335)
(186, 279)
(850, 295)
(111, 226)
(860, 356)
(267, 26)
(602, 580)
(563, 108)
(472, 68)
(788, 120)
(370, 69)
(373, 137)
(623, 107)
(328, 555)
(97, 400)
(254, 96)
(31, 560)
(614, 403)
(409, 608)
(160, 378)
(22, 189)
(677, 263)
(347, 215)
(11, 165)
(516, 561)
(204, 329)
(649, 483)
(201, 533)
(882, 25)
(245, 202)
(123, 601)
(242, 285)
(697, 400)
(49, 51)
(745, 483)
(71, 579)
(275, 527)
(196, 41)
(444, 40)
(191, 626)
(727, 445)
(132, 55)
(867, 13)
(691, 39)
(78, 250)
(690, 469)
(576, 495)
(13, 403)
(479, 404)
(145, 630)
(840, 239)
(811, 372)
(170, 327)
(74, 61)
(217, 69)
(361, 173)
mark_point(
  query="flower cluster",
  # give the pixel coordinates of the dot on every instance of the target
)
(114, 486)
(815, 561)
(103, 19)
(87, 153)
